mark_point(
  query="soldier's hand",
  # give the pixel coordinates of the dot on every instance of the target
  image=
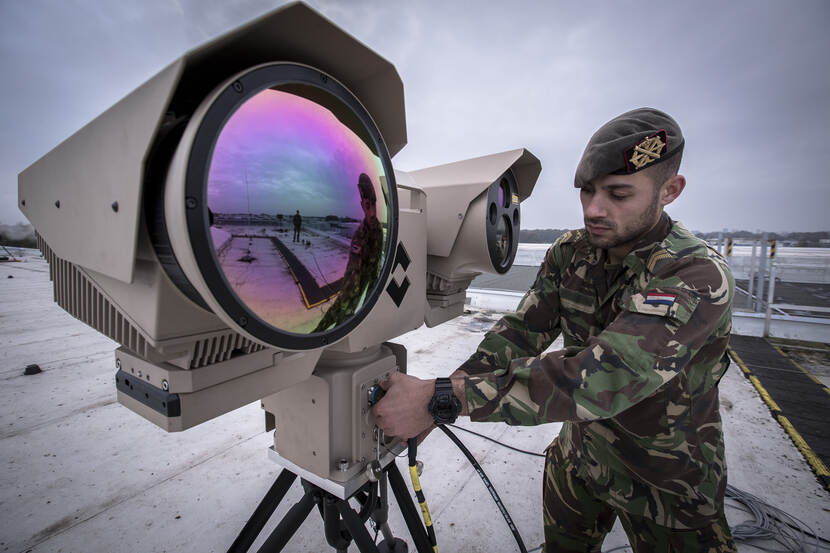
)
(403, 410)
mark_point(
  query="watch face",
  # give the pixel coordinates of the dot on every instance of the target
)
(444, 406)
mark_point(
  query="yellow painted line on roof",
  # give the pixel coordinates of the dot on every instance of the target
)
(755, 382)
(815, 463)
(764, 394)
(739, 361)
(802, 369)
(809, 455)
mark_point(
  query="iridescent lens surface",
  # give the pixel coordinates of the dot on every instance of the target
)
(298, 239)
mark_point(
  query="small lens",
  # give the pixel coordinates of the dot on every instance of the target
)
(504, 193)
(504, 240)
(493, 213)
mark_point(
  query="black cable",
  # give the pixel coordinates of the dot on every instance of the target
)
(769, 522)
(542, 455)
(488, 485)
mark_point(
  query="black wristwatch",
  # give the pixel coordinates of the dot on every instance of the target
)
(444, 406)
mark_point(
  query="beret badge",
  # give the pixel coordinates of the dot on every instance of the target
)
(646, 152)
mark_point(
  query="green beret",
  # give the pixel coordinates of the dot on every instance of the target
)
(629, 143)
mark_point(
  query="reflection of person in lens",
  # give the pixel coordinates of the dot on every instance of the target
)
(364, 260)
(298, 222)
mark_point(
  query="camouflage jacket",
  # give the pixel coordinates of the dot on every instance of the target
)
(365, 252)
(645, 348)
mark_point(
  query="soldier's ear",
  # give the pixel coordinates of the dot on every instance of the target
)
(671, 189)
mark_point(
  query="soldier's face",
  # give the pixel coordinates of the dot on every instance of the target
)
(370, 209)
(618, 209)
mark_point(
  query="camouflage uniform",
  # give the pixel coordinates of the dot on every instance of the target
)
(645, 347)
(361, 273)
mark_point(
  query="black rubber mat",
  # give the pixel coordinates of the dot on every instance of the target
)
(801, 400)
(313, 294)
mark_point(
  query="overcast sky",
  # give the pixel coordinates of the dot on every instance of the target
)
(748, 82)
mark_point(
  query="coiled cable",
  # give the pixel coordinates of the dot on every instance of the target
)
(768, 522)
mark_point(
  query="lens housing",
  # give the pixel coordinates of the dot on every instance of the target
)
(287, 137)
(503, 222)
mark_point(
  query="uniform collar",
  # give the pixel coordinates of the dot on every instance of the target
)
(636, 259)
(632, 264)
(641, 250)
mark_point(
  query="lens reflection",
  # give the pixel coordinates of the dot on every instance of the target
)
(299, 206)
(504, 193)
(504, 240)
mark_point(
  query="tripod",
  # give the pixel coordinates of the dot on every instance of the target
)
(341, 522)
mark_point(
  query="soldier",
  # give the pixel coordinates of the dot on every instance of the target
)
(364, 260)
(645, 310)
(298, 223)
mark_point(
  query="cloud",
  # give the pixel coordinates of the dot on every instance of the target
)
(744, 80)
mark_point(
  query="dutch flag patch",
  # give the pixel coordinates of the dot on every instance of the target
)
(660, 299)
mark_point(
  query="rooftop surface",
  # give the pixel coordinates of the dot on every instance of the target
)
(81, 473)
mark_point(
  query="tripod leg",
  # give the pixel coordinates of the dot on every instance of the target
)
(290, 523)
(356, 529)
(410, 515)
(263, 512)
(381, 514)
(332, 526)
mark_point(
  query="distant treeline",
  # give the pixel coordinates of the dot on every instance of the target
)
(548, 235)
(540, 235)
(746, 235)
(21, 235)
(802, 239)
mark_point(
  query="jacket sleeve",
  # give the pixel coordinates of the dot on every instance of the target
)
(653, 338)
(528, 331)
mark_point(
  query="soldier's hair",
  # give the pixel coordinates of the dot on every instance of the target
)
(662, 172)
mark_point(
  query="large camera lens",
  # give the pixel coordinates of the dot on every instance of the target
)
(299, 206)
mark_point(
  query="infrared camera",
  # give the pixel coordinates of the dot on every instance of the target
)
(237, 226)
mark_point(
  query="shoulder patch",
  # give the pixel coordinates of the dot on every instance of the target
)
(659, 254)
(677, 304)
(570, 236)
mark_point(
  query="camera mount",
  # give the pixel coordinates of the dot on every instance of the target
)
(341, 522)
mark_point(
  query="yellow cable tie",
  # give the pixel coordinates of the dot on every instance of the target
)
(425, 512)
(416, 482)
